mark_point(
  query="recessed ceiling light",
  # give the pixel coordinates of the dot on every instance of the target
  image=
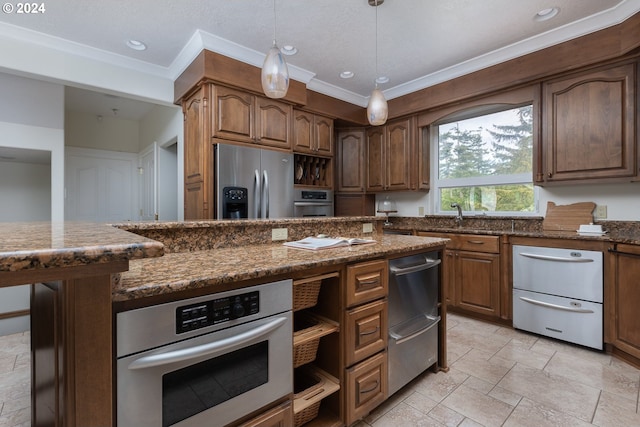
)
(545, 14)
(136, 44)
(382, 79)
(288, 50)
(346, 74)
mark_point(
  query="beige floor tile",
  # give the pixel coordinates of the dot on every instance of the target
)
(490, 343)
(403, 415)
(446, 416)
(590, 371)
(505, 395)
(616, 411)
(420, 402)
(19, 418)
(532, 414)
(438, 386)
(478, 384)
(518, 353)
(482, 365)
(556, 392)
(468, 422)
(478, 406)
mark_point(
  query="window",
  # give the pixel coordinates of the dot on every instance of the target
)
(485, 162)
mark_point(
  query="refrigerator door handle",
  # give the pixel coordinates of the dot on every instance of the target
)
(257, 189)
(265, 190)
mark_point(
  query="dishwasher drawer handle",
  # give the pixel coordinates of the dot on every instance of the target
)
(554, 258)
(400, 339)
(555, 306)
(428, 263)
(207, 349)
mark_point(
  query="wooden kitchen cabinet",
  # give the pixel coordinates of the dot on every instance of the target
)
(366, 281)
(365, 331)
(350, 163)
(589, 129)
(391, 156)
(280, 416)
(366, 387)
(312, 133)
(622, 297)
(197, 154)
(243, 117)
(472, 273)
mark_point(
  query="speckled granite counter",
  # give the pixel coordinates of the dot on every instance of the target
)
(206, 268)
(43, 245)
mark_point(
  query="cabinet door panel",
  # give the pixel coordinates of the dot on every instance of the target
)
(350, 158)
(398, 154)
(478, 283)
(323, 135)
(375, 159)
(302, 131)
(622, 320)
(273, 123)
(280, 416)
(589, 127)
(233, 115)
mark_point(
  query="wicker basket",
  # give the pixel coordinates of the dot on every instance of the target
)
(305, 385)
(308, 329)
(311, 385)
(305, 294)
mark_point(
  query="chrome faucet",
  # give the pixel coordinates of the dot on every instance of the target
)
(459, 215)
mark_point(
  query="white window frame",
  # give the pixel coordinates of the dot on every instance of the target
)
(438, 184)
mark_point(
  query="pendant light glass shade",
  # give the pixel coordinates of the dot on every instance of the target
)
(377, 109)
(275, 74)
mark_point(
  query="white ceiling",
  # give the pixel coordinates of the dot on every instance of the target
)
(420, 42)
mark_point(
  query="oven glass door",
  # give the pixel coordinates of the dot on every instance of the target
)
(219, 376)
(312, 209)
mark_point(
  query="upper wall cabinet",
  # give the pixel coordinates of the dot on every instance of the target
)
(312, 134)
(589, 129)
(392, 157)
(242, 117)
(350, 160)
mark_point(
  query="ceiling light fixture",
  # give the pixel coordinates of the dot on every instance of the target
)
(546, 14)
(275, 73)
(377, 109)
(289, 50)
(136, 45)
(346, 74)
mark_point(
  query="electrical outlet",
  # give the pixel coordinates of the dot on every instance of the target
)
(421, 210)
(601, 211)
(279, 234)
(367, 227)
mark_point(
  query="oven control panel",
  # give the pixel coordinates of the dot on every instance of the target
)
(200, 315)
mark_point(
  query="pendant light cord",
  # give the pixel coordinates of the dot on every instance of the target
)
(375, 78)
(274, 22)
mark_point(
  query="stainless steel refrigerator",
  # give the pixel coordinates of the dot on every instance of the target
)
(253, 182)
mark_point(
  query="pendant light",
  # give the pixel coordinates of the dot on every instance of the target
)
(275, 73)
(377, 109)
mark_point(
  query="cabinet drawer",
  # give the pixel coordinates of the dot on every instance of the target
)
(365, 331)
(366, 387)
(366, 282)
(280, 416)
(477, 243)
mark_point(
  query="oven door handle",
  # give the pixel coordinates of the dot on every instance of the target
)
(555, 306)
(207, 349)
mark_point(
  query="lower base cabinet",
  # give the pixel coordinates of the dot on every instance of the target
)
(366, 387)
(622, 323)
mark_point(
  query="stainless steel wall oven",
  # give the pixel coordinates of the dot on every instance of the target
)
(207, 360)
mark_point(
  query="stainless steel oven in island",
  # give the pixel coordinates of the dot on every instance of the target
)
(208, 360)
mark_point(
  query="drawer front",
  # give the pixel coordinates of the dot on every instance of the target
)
(366, 387)
(454, 242)
(366, 282)
(366, 331)
(280, 416)
(477, 243)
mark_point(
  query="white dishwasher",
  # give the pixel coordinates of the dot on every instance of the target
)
(559, 293)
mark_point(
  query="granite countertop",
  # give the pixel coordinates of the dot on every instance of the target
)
(44, 245)
(197, 269)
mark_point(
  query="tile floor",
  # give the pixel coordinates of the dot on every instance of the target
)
(503, 377)
(498, 377)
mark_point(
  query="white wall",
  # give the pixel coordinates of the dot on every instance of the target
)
(31, 117)
(110, 133)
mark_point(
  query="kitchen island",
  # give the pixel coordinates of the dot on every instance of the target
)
(81, 274)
